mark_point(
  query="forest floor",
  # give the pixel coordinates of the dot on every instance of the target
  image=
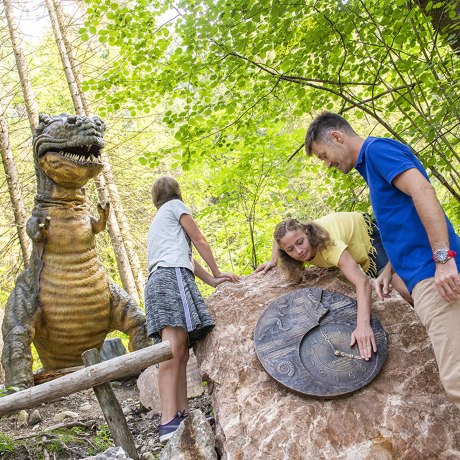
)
(74, 427)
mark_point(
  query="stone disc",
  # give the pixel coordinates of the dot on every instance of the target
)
(302, 340)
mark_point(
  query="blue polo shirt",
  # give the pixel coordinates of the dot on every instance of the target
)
(403, 235)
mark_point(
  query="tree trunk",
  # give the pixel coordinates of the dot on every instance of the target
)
(128, 265)
(29, 96)
(124, 268)
(14, 189)
(111, 408)
(445, 20)
(76, 98)
(7, 155)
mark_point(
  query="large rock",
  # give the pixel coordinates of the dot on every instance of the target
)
(112, 453)
(403, 413)
(193, 440)
(147, 383)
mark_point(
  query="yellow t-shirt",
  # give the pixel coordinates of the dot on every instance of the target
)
(348, 230)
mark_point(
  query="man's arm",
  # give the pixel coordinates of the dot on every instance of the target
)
(414, 184)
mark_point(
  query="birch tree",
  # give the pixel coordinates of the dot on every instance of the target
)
(14, 189)
(9, 165)
(21, 64)
(127, 260)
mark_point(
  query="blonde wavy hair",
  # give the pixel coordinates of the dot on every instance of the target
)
(317, 236)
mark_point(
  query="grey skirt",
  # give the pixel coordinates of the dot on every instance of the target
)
(172, 298)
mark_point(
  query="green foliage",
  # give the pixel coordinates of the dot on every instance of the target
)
(225, 70)
(6, 444)
(8, 390)
(101, 440)
(219, 94)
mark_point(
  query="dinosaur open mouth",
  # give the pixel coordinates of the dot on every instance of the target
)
(85, 154)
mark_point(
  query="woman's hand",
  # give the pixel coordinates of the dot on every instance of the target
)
(364, 336)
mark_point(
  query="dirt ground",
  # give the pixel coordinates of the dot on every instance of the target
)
(83, 432)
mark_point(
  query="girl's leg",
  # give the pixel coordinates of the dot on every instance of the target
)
(170, 375)
(399, 285)
(182, 401)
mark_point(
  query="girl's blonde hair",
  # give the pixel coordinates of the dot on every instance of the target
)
(317, 236)
(165, 189)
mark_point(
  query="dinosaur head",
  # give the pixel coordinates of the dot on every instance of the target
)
(67, 148)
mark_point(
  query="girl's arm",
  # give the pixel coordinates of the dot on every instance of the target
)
(206, 277)
(363, 334)
(201, 244)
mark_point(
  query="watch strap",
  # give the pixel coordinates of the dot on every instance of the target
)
(441, 256)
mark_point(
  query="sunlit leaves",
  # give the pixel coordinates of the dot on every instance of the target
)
(224, 69)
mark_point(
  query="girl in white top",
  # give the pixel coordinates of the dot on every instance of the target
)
(175, 309)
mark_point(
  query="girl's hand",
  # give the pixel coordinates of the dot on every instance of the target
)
(364, 335)
(265, 267)
(214, 281)
(228, 277)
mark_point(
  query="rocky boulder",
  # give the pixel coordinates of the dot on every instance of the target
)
(193, 440)
(403, 413)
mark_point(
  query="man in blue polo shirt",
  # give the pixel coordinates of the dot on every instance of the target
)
(421, 243)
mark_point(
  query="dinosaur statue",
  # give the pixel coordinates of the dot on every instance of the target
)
(63, 301)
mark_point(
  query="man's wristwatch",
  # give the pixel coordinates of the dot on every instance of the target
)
(441, 256)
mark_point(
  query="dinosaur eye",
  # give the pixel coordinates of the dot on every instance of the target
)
(72, 120)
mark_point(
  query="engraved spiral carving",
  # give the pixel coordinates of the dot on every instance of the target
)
(286, 368)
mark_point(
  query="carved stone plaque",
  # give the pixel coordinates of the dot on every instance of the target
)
(302, 340)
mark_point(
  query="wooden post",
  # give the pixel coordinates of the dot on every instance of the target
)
(111, 409)
(86, 378)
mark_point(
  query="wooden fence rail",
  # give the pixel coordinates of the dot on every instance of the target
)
(87, 377)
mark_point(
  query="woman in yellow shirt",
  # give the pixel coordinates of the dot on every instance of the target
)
(347, 240)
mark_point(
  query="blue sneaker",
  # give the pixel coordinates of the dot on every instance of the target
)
(168, 429)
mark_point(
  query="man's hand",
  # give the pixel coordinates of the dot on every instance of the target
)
(265, 267)
(447, 280)
(382, 283)
(364, 336)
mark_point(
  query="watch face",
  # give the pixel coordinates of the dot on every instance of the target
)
(441, 255)
(303, 341)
